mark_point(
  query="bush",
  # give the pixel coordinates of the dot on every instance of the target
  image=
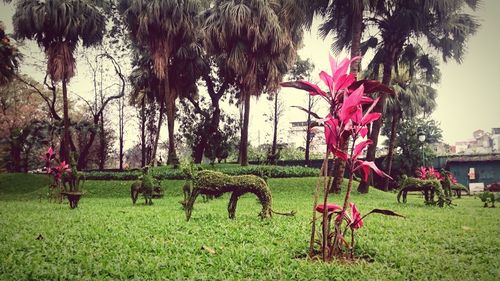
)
(163, 173)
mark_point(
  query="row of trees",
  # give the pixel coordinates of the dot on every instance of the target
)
(240, 49)
(400, 28)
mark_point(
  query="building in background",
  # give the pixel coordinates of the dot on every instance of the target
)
(482, 143)
(297, 137)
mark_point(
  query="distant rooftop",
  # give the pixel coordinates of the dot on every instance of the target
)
(474, 158)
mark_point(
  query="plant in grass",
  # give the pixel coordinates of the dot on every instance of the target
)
(488, 198)
(148, 186)
(56, 170)
(443, 191)
(347, 121)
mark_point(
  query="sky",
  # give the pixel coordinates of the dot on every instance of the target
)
(468, 94)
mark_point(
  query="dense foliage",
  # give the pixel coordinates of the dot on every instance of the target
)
(165, 172)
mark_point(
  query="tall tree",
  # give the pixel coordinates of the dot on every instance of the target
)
(9, 57)
(219, 81)
(144, 95)
(301, 70)
(413, 76)
(344, 19)
(442, 26)
(278, 110)
(162, 26)
(97, 108)
(58, 26)
(259, 40)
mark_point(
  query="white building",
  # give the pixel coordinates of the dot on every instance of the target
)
(297, 137)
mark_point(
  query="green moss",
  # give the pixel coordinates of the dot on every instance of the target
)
(216, 183)
(429, 187)
(409, 181)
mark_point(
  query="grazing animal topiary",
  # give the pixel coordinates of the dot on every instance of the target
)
(216, 184)
(147, 186)
(427, 187)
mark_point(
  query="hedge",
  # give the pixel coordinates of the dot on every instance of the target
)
(163, 173)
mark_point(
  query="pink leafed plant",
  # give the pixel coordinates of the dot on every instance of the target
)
(426, 173)
(350, 114)
(56, 170)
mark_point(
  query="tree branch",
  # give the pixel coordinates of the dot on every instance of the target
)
(122, 78)
(50, 103)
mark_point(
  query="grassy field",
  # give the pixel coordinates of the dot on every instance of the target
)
(107, 237)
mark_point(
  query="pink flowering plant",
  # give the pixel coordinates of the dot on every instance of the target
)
(55, 168)
(350, 114)
(447, 181)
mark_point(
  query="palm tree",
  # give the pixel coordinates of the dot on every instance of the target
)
(162, 27)
(9, 57)
(58, 26)
(145, 90)
(344, 19)
(259, 41)
(413, 76)
(442, 26)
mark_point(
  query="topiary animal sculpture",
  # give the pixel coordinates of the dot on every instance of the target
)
(144, 185)
(427, 187)
(216, 184)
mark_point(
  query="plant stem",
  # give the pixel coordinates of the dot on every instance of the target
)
(352, 243)
(325, 226)
(316, 196)
(346, 199)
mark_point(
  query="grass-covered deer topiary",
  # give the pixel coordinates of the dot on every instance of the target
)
(148, 186)
(215, 184)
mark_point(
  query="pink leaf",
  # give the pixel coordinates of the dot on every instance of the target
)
(372, 86)
(333, 64)
(341, 69)
(357, 220)
(370, 117)
(327, 79)
(306, 86)
(366, 166)
(422, 172)
(363, 131)
(360, 147)
(340, 154)
(331, 134)
(344, 82)
(331, 207)
(352, 106)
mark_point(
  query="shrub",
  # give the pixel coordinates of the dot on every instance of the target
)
(163, 173)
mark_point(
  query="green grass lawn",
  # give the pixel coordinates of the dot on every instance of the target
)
(107, 237)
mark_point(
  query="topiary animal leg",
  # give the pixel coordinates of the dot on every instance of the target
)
(132, 194)
(266, 207)
(233, 201)
(190, 203)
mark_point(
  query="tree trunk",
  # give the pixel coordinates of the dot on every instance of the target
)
(84, 153)
(212, 129)
(120, 108)
(376, 125)
(15, 158)
(244, 131)
(241, 109)
(390, 152)
(143, 131)
(102, 143)
(27, 158)
(65, 147)
(170, 104)
(157, 137)
(308, 132)
(275, 132)
(357, 25)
